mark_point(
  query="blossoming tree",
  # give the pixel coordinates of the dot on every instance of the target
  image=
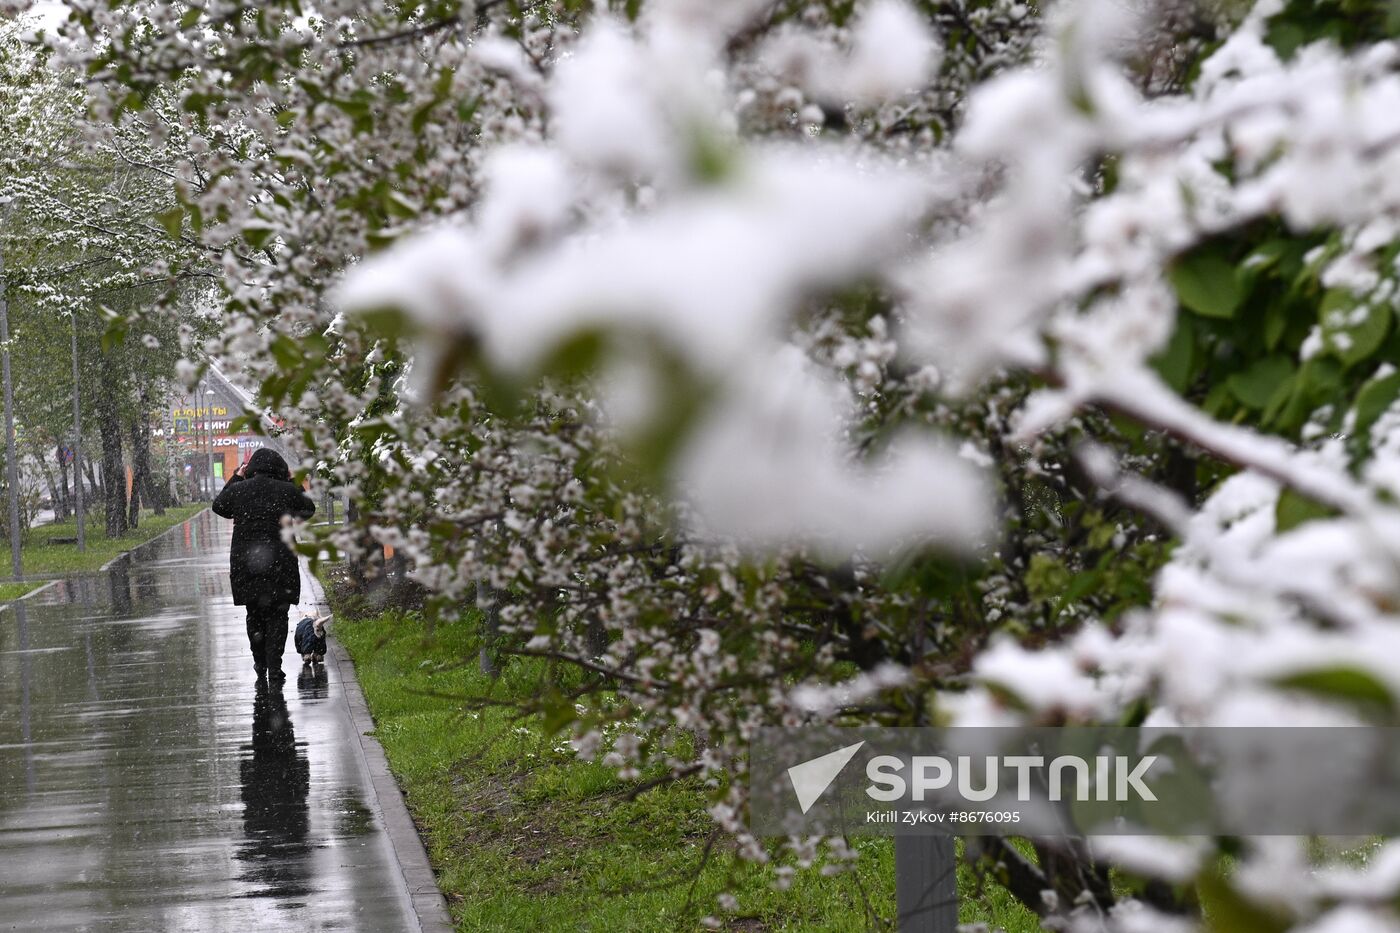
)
(768, 362)
(87, 265)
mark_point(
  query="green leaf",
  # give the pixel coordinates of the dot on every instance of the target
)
(557, 713)
(466, 110)
(1352, 331)
(1275, 323)
(1266, 256)
(1281, 397)
(1372, 401)
(1285, 37)
(712, 159)
(286, 352)
(1347, 684)
(352, 106)
(1136, 712)
(931, 575)
(1006, 696)
(1255, 387)
(1217, 400)
(1176, 363)
(172, 220)
(190, 18)
(398, 205)
(257, 236)
(246, 423)
(114, 335)
(1206, 283)
(1046, 576)
(1227, 911)
(1083, 583)
(1294, 508)
(422, 115)
(1317, 382)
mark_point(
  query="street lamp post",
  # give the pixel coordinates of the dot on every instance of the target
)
(11, 464)
(199, 425)
(173, 450)
(78, 443)
(209, 433)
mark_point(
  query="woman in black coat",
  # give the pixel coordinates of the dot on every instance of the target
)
(265, 575)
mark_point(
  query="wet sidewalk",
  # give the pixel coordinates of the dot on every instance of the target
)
(145, 784)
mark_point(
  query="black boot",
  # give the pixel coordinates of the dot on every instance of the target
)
(273, 666)
(275, 644)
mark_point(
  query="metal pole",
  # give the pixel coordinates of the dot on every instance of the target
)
(926, 884)
(199, 428)
(11, 464)
(209, 432)
(197, 473)
(78, 443)
(201, 441)
(172, 451)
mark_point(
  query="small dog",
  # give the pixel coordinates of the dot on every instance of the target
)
(310, 639)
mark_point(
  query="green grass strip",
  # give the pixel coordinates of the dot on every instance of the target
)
(42, 559)
(524, 836)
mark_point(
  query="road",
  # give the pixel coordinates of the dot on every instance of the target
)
(145, 784)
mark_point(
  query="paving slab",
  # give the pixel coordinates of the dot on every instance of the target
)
(146, 783)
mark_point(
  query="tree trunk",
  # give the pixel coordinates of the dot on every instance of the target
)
(141, 459)
(397, 568)
(64, 505)
(113, 465)
(133, 503)
(155, 492)
(48, 481)
(140, 465)
(366, 570)
(94, 487)
(356, 563)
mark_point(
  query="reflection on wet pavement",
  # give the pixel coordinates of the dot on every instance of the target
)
(275, 781)
(146, 784)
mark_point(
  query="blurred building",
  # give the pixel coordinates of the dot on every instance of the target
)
(205, 446)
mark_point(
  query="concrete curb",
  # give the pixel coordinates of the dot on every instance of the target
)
(34, 592)
(127, 553)
(429, 905)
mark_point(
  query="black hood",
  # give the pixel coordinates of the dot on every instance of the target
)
(267, 462)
